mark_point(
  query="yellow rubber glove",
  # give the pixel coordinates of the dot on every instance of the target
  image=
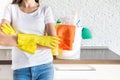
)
(48, 41)
(55, 51)
(27, 42)
(8, 29)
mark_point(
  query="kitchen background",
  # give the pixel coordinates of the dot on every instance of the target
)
(100, 16)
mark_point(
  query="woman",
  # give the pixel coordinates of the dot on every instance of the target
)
(29, 17)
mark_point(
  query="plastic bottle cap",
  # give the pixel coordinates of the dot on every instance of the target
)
(59, 21)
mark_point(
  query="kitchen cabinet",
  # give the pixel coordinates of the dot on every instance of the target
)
(5, 72)
(5, 53)
(87, 72)
(75, 72)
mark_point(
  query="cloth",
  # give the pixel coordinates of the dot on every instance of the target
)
(39, 72)
(29, 23)
(66, 33)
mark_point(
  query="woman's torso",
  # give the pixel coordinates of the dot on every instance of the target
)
(29, 23)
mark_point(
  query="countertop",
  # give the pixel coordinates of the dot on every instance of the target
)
(81, 61)
(60, 61)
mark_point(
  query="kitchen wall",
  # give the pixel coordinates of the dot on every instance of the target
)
(100, 16)
(3, 4)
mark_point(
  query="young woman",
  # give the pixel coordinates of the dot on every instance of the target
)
(29, 17)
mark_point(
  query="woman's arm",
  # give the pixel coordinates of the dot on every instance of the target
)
(50, 31)
(10, 40)
(7, 40)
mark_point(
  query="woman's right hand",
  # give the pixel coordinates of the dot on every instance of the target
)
(7, 40)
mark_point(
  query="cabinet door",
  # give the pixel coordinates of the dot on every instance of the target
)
(5, 72)
(87, 72)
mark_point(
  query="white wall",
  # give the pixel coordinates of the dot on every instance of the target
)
(3, 4)
(102, 17)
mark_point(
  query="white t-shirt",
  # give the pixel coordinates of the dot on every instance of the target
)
(29, 23)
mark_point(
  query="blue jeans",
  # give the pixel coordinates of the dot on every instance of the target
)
(40, 72)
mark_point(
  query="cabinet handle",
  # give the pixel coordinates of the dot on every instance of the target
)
(89, 68)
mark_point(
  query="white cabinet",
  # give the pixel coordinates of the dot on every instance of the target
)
(5, 72)
(87, 72)
(75, 72)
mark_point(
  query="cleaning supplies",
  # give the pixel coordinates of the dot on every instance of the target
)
(7, 29)
(75, 51)
(58, 23)
(86, 33)
(66, 34)
(27, 42)
(48, 41)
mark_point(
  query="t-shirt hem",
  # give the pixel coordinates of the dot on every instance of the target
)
(20, 67)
